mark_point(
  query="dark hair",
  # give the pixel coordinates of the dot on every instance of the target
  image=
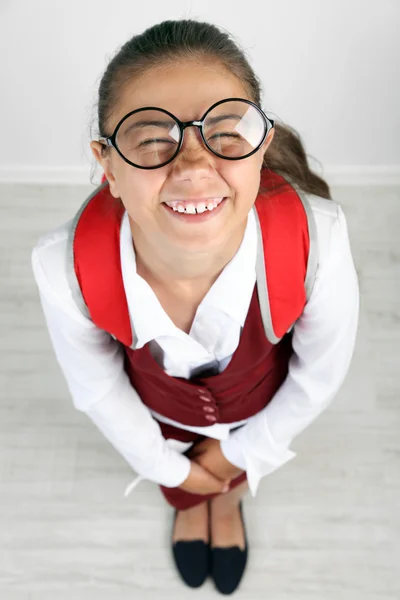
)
(172, 41)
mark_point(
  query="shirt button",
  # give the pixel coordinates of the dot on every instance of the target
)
(205, 399)
(210, 418)
(208, 409)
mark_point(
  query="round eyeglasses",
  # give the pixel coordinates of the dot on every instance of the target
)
(151, 137)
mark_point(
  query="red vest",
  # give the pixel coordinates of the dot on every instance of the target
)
(286, 265)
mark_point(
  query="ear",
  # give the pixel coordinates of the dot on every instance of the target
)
(266, 144)
(104, 160)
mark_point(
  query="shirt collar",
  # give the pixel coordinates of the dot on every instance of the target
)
(230, 293)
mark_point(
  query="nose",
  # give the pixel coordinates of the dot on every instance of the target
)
(192, 139)
(194, 159)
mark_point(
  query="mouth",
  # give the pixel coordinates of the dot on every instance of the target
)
(196, 212)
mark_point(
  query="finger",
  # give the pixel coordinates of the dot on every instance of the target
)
(198, 461)
(201, 481)
(214, 482)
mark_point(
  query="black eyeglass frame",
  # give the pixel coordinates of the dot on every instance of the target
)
(111, 140)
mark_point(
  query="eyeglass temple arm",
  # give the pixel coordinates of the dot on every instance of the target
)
(105, 140)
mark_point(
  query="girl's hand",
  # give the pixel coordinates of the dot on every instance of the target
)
(208, 454)
(200, 481)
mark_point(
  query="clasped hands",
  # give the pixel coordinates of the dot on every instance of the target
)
(210, 472)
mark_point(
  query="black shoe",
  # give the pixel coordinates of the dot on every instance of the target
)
(192, 560)
(228, 564)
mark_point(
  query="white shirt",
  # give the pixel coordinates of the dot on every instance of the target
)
(93, 362)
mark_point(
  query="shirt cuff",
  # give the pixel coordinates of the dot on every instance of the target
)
(180, 470)
(243, 453)
(178, 464)
(171, 469)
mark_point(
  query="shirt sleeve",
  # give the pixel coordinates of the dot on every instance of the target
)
(93, 365)
(323, 344)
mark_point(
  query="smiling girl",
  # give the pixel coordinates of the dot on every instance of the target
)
(203, 303)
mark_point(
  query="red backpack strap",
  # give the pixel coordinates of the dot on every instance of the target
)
(287, 236)
(287, 252)
(94, 265)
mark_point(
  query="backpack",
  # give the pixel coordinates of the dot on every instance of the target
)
(286, 264)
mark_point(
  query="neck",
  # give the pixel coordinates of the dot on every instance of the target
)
(167, 266)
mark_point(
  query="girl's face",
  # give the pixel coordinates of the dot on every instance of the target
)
(187, 91)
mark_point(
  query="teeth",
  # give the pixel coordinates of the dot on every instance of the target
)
(191, 209)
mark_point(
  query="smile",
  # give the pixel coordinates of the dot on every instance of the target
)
(193, 208)
(195, 212)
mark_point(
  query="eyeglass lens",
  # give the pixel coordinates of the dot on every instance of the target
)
(149, 138)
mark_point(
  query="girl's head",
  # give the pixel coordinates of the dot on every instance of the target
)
(184, 67)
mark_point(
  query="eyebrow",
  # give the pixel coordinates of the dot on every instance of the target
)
(141, 124)
(160, 123)
(233, 116)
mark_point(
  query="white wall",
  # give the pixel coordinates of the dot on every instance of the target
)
(329, 68)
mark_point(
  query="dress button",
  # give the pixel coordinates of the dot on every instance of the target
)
(208, 409)
(211, 418)
(205, 399)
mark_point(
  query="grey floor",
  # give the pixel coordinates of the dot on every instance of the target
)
(326, 526)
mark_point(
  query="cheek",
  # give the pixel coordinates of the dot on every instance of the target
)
(141, 193)
(244, 181)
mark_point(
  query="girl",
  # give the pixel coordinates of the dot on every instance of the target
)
(203, 303)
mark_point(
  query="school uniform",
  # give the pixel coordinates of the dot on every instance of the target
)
(264, 357)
